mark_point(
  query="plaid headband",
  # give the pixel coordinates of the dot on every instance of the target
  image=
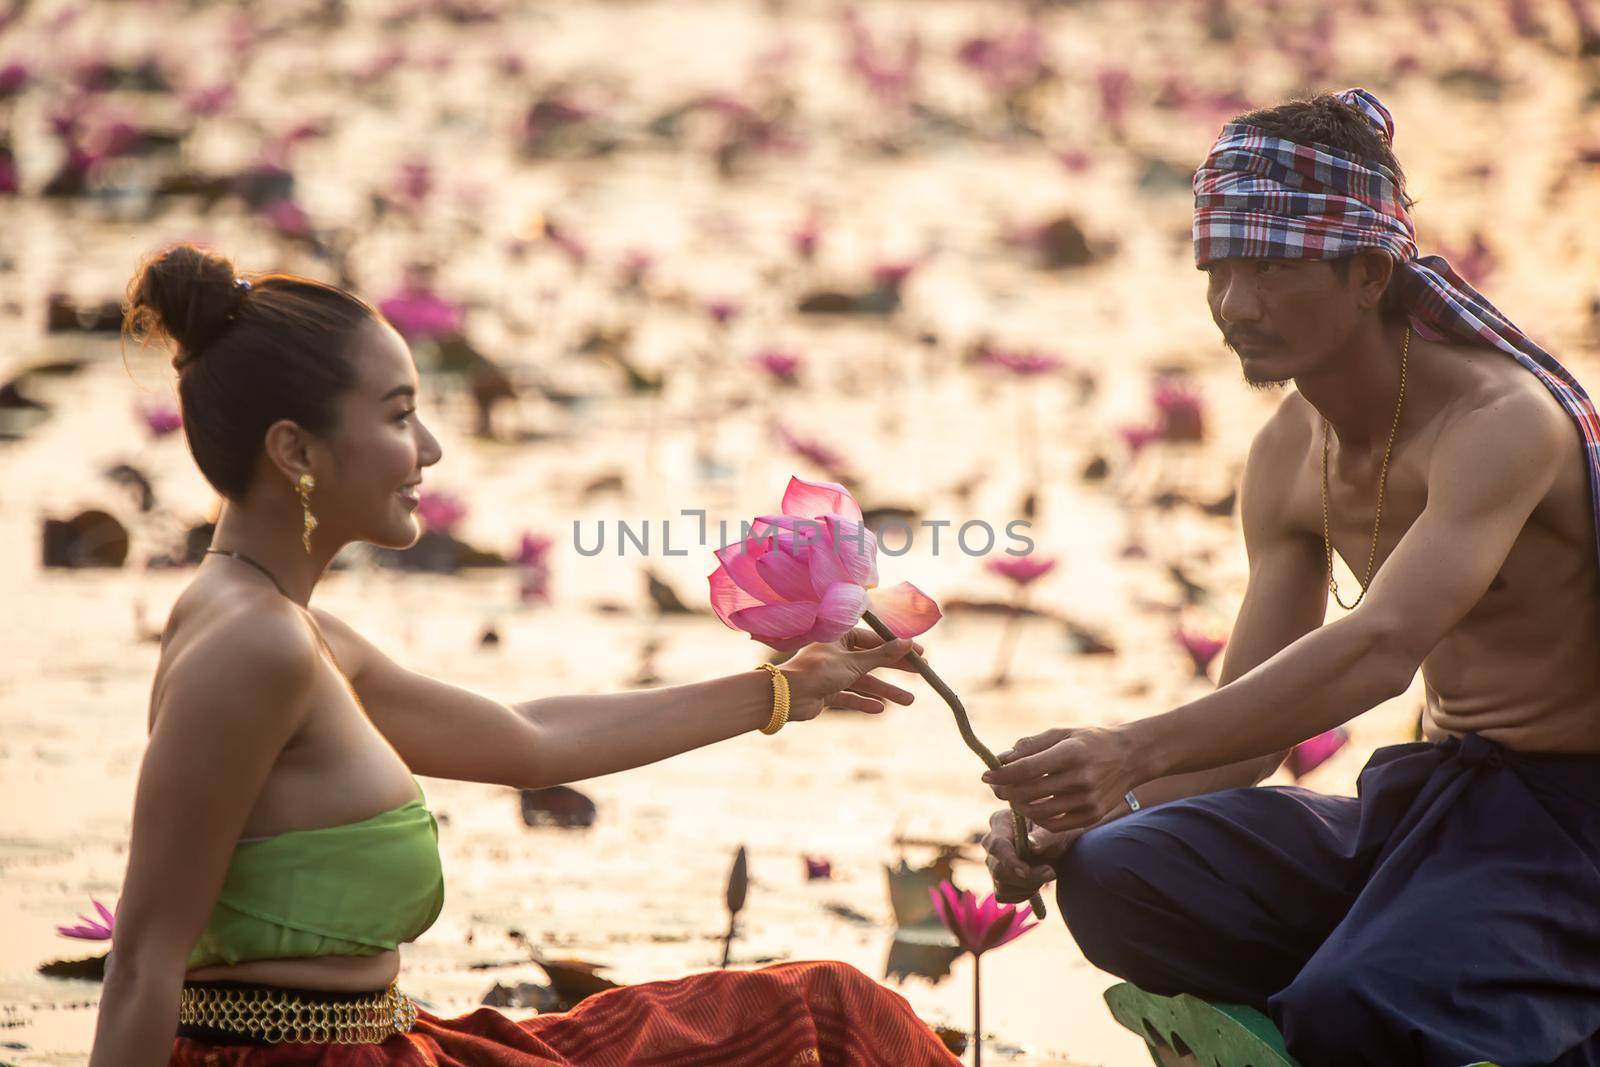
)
(1263, 197)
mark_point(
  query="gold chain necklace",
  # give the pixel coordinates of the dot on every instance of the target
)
(1383, 477)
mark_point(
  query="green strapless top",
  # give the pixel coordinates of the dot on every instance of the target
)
(352, 890)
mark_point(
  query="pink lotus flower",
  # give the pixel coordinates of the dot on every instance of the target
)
(419, 313)
(1024, 364)
(979, 925)
(1202, 649)
(1136, 437)
(829, 460)
(533, 568)
(1023, 570)
(161, 419)
(14, 78)
(1182, 412)
(818, 868)
(1307, 756)
(722, 312)
(782, 366)
(440, 512)
(89, 929)
(892, 276)
(810, 573)
(807, 236)
(208, 100)
(287, 217)
(414, 182)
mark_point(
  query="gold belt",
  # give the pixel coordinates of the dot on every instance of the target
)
(276, 1016)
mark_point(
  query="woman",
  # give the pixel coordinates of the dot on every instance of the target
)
(281, 848)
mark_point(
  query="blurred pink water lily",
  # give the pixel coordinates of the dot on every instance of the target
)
(810, 573)
(979, 925)
(1023, 570)
(417, 311)
(533, 568)
(784, 367)
(1023, 364)
(441, 512)
(818, 868)
(1137, 436)
(89, 929)
(1181, 410)
(161, 419)
(1202, 649)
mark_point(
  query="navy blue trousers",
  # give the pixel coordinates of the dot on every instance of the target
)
(1449, 913)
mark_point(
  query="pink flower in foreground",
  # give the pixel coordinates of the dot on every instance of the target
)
(1023, 570)
(440, 512)
(782, 366)
(979, 925)
(810, 573)
(161, 419)
(1202, 649)
(89, 929)
(1307, 756)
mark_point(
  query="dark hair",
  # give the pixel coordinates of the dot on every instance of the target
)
(248, 352)
(1327, 120)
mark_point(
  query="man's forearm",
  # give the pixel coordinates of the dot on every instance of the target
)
(588, 736)
(1320, 681)
(1195, 783)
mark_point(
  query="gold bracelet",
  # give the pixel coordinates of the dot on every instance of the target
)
(780, 699)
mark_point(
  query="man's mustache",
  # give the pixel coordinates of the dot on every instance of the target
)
(1235, 339)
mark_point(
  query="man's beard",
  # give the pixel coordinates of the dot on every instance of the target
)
(1264, 385)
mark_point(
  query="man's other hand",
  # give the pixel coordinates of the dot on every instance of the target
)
(1014, 879)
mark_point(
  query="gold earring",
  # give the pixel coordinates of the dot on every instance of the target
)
(304, 487)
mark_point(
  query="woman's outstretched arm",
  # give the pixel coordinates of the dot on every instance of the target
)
(444, 731)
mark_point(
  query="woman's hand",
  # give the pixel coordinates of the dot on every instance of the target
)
(1066, 779)
(837, 674)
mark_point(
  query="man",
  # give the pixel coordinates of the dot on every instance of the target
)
(1451, 912)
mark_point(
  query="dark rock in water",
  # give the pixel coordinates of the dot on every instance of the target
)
(1062, 243)
(63, 316)
(575, 981)
(923, 951)
(1224, 507)
(135, 479)
(490, 637)
(909, 888)
(875, 519)
(1096, 470)
(952, 1039)
(1085, 642)
(1164, 176)
(559, 805)
(197, 540)
(92, 968)
(541, 998)
(89, 539)
(667, 601)
(438, 553)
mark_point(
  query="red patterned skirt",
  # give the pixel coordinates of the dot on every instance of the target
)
(791, 1015)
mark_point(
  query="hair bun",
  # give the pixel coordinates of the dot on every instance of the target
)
(183, 293)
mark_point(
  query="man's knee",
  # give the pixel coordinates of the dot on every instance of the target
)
(1093, 885)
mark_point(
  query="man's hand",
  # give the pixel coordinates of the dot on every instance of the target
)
(1014, 879)
(1066, 779)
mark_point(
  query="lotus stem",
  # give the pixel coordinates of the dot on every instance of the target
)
(1019, 825)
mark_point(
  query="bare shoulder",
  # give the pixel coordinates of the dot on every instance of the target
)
(1510, 420)
(353, 651)
(241, 659)
(1276, 456)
